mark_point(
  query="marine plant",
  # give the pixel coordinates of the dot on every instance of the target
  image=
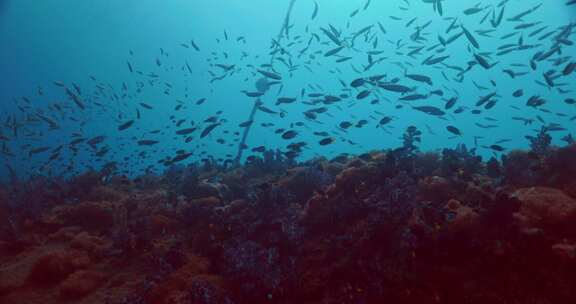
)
(403, 158)
(493, 168)
(411, 139)
(460, 162)
(520, 169)
(182, 180)
(540, 144)
(271, 161)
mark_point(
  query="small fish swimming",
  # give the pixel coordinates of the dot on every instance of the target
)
(147, 142)
(290, 134)
(454, 130)
(209, 129)
(125, 125)
(270, 75)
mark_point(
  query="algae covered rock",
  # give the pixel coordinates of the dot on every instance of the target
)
(545, 208)
(463, 219)
(80, 284)
(89, 215)
(56, 266)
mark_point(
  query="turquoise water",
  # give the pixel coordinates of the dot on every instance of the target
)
(88, 45)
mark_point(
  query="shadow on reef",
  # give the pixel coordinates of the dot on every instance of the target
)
(397, 226)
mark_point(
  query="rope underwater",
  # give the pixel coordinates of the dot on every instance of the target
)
(258, 102)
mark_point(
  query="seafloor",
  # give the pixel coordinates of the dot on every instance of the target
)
(395, 226)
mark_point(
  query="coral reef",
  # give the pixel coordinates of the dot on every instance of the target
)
(396, 226)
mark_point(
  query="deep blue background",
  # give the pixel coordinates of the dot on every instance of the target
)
(69, 40)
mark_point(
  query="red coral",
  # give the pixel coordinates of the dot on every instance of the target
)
(65, 234)
(89, 215)
(80, 284)
(160, 225)
(570, 189)
(91, 244)
(56, 266)
(435, 188)
(178, 282)
(565, 251)
(351, 178)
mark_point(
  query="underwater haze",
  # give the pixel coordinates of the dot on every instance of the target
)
(287, 151)
(482, 74)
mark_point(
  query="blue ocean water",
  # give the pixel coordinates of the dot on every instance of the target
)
(115, 56)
